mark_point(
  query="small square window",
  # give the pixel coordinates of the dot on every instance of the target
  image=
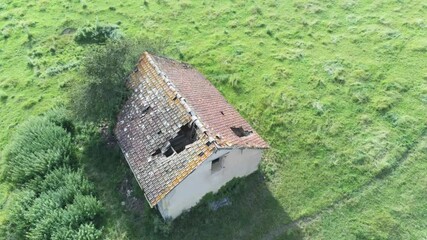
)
(216, 165)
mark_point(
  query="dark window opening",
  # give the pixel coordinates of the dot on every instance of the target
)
(216, 165)
(240, 132)
(186, 135)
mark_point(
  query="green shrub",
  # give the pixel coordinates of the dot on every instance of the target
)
(38, 147)
(104, 70)
(59, 207)
(17, 225)
(86, 231)
(82, 210)
(98, 33)
(62, 117)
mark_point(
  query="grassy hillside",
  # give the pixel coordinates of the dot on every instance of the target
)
(338, 89)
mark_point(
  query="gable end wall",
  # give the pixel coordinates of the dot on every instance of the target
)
(236, 163)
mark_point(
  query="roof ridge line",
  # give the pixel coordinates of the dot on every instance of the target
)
(182, 100)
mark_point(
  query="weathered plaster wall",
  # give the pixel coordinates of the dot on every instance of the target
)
(236, 163)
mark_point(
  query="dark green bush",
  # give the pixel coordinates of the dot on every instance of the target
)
(62, 117)
(86, 231)
(104, 70)
(98, 33)
(38, 147)
(57, 209)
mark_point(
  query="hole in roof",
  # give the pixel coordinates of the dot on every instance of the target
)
(222, 113)
(146, 110)
(159, 132)
(240, 132)
(186, 135)
(169, 151)
(157, 152)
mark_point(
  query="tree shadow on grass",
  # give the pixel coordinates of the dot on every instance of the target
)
(253, 213)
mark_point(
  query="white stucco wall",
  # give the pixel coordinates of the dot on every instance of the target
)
(236, 163)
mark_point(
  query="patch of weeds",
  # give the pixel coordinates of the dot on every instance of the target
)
(318, 107)
(5, 33)
(335, 70)
(359, 93)
(389, 35)
(383, 103)
(98, 33)
(234, 81)
(55, 70)
(29, 104)
(3, 96)
(360, 75)
(310, 7)
(290, 54)
(256, 10)
(185, 5)
(270, 164)
(419, 45)
(8, 84)
(220, 78)
(282, 73)
(161, 227)
(269, 81)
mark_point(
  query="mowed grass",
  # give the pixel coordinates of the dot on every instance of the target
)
(338, 89)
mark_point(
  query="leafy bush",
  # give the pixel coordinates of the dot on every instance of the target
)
(104, 71)
(55, 201)
(98, 33)
(58, 207)
(38, 147)
(62, 117)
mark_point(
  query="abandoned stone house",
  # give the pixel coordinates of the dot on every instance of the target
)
(180, 137)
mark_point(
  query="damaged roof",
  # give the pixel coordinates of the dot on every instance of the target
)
(173, 120)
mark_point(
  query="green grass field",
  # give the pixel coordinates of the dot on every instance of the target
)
(338, 89)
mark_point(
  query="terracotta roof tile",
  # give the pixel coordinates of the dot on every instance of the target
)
(209, 105)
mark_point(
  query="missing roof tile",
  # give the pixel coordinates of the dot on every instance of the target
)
(240, 132)
(158, 151)
(146, 110)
